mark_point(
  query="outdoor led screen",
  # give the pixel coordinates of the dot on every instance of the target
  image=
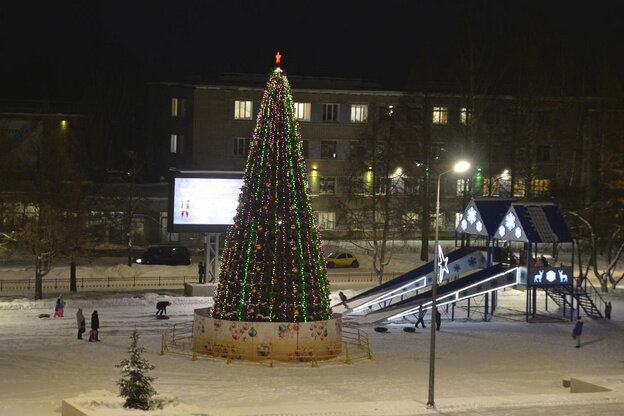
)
(203, 201)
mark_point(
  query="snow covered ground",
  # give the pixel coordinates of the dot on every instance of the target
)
(496, 367)
(502, 363)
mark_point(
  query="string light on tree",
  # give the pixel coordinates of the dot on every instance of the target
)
(272, 267)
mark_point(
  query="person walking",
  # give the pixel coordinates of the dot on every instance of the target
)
(82, 325)
(421, 317)
(608, 310)
(438, 319)
(577, 331)
(95, 326)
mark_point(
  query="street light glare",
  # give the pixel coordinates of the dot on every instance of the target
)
(461, 166)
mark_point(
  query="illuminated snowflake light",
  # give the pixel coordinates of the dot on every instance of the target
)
(551, 276)
(510, 221)
(518, 232)
(501, 231)
(479, 226)
(471, 215)
(464, 225)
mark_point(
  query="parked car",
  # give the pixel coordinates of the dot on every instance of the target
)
(168, 255)
(342, 259)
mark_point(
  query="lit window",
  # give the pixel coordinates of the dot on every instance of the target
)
(541, 186)
(359, 113)
(241, 146)
(440, 115)
(174, 107)
(330, 112)
(242, 110)
(176, 143)
(328, 149)
(327, 185)
(462, 185)
(465, 116)
(326, 220)
(302, 111)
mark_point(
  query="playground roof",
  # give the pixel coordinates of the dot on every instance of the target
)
(482, 216)
(533, 223)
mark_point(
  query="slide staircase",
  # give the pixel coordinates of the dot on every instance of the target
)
(586, 295)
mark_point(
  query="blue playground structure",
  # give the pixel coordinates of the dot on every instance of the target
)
(514, 235)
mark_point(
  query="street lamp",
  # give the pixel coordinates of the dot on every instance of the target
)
(461, 166)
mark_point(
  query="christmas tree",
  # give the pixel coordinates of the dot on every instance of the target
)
(134, 384)
(273, 268)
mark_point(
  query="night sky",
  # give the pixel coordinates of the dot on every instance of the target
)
(56, 49)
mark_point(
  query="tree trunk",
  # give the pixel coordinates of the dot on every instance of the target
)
(72, 276)
(38, 285)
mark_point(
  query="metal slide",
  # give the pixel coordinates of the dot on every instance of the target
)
(481, 281)
(409, 284)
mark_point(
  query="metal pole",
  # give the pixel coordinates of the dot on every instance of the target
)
(434, 293)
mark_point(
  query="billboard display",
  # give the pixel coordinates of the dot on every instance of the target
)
(203, 201)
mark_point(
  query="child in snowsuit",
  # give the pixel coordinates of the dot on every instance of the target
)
(162, 307)
(95, 325)
(577, 331)
(80, 320)
(59, 307)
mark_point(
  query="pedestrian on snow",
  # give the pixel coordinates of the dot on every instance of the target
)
(59, 307)
(421, 316)
(82, 325)
(201, 270)
(438, 319)
(608, 310)
(161, 307)
(343, 298)
(95, 325)
(577, 331)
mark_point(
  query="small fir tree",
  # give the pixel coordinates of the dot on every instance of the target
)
(134, 384)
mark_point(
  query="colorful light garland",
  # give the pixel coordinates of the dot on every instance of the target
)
(273, 267)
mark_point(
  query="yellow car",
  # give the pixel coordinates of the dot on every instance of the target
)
(342, 259)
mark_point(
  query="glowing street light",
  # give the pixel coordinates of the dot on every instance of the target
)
(461, 166)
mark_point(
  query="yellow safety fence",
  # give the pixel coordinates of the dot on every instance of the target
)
(178, 339)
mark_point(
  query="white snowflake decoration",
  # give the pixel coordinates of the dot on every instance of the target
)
(501, 231)
(510, 221)
(479, 226)
(464, 225)
(551, 276)
(518, 232)
(471, 215)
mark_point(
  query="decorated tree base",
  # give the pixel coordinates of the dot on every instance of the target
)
(281, 341)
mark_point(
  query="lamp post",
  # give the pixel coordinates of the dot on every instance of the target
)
(461, 166)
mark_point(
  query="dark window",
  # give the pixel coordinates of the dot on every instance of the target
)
(543, 153)
(328, 149)
(330, 112)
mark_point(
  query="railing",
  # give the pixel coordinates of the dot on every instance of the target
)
(17, 286)
(593, 294)
(178, 339)
(25, 286)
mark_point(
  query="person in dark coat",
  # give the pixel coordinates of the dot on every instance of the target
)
(608, 310)
(161, 307)
(343, 298)
(421, 317)
(438, 319)
(95, 325)
(82, 325)
(577, 331)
